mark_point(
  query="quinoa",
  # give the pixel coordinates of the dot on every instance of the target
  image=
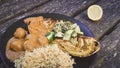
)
(45, 57)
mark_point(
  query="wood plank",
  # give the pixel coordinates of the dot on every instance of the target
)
(111, 14)
(4, 1)
(65, 7)
(1, 65)
(57, 6)
(109, 55)
(13, 8)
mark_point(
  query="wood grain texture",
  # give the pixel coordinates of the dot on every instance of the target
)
(11, 8)
(55, 6)
(65, 7)
(5, 1)
(1, 64)
(111, 14)
(109, 55)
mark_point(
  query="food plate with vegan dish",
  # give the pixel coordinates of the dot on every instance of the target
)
(47, 40)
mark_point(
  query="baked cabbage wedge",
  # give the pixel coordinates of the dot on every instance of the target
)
(85, 47)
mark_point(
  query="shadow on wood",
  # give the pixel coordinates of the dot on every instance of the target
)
(84, 62)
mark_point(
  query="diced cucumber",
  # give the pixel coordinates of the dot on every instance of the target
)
(74, 34)
(65, 30)
(73, 26)
(59, 34)
(50, 36)
(77, 30)
(81, 33)
(67, 35)
(66, 26)
(61, 22)
(57, 27)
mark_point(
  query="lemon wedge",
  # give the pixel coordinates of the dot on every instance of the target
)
(95, 12)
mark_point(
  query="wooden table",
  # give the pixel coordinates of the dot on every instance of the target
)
(106, 30)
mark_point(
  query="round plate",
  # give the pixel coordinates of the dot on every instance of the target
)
(80, 62)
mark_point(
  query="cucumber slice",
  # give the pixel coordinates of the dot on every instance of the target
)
(67, 35)
(59, 34)
(50, 36)
(73, 26)
(57, 27)
(74, 34)
(77, 30)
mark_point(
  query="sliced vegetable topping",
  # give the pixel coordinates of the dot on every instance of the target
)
(65, 30)
(77, 30)
(50, 36)
(67, 35)
(59, 34)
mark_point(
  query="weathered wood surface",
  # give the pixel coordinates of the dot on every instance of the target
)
(1, 64)
(69, 8)
(17, 7)
(111, 14)
(109, 55)
(4, 1)
(65, 7)
(12, 8)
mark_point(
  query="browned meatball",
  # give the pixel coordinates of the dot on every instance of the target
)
(20, 33)
(17, 44)
(10, 54)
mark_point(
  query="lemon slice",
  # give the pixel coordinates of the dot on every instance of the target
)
(95, 12)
